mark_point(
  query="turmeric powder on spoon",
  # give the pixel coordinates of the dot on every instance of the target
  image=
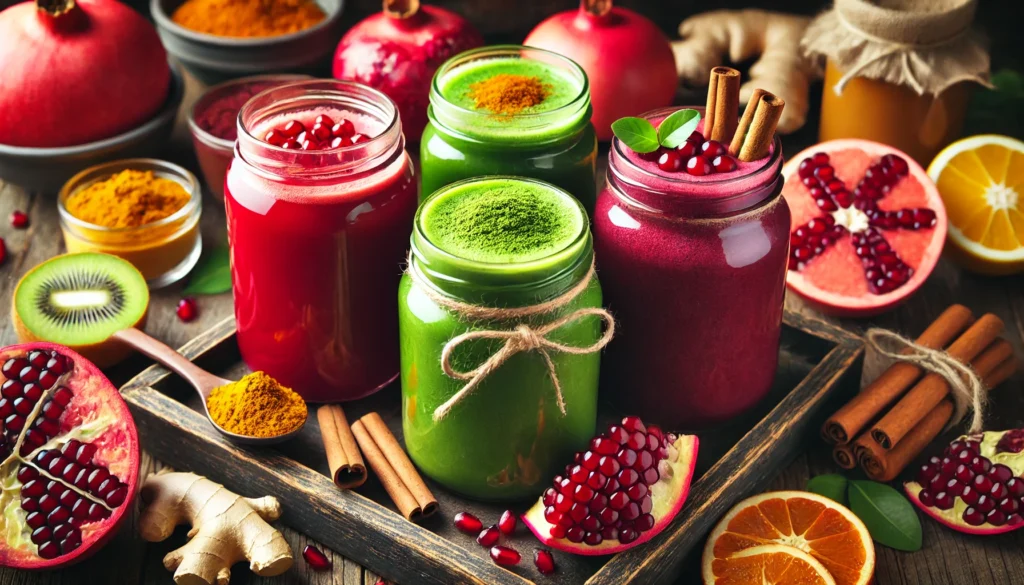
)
(256, 406)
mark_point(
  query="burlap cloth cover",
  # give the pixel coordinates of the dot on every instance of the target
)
(927, 45)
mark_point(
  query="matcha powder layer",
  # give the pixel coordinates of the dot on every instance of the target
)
(501, 222)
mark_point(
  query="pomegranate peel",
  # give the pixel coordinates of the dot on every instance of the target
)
(643, 508)
(977, 486)
(70, 457)
(868, 226)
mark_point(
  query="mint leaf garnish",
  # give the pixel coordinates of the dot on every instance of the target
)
(675, 129)
(636, 133)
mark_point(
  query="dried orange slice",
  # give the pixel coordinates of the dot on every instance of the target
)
(823, 529)
(981, 181)
(768, 564)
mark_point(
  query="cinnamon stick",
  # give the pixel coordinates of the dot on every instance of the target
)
(882, 465)
(756, 131)
(927, 393)
(723, 105)
(844, 457)
(843, 426)
(346, 463)
(394, 469)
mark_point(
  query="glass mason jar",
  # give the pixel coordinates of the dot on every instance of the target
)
(558, 146)
(695, 272)
(507, 438)
(317, 241)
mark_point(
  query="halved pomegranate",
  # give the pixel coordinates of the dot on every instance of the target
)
(619, 493)
(70, 457)
(977, 486)
(868, 226)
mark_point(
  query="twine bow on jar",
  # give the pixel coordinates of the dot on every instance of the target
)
(521, 338)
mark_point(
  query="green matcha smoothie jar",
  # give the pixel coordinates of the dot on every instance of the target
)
(501, 331)
(548, 138)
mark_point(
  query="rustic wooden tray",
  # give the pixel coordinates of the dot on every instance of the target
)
(364, 526)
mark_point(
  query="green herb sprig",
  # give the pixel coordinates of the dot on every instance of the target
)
(888, 515)
(641, 136)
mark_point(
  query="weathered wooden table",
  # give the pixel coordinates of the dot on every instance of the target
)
(948, 558)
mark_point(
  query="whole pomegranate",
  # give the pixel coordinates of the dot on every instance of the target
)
(398, 51)
(70, 457)
(628, 59)
(77, 71)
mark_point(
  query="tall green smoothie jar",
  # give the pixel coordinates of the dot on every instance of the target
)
(481, 125)
(500, 277)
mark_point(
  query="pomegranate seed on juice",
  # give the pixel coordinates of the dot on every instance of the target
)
(670, 161)
(508, 522)
(321, 132)
(712, 148)
(19, 220)
(468, 523)
(316, 559)
(698, 166)
(505, 556)
(187, 309)
(344, 129)
(724, 164)
(292, 129)
(275, 138)
(339, 141)
(323, 120)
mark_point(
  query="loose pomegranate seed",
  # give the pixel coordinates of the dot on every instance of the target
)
(698, 166)
(316, 559)
(489, 536)
(544, 562)
(19, 220)
(507, 523)
(505, 556)
(468, 523)
(3, 251)
(187, 309)
(670, 161)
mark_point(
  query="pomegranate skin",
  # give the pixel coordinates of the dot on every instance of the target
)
(399, 56)
(628, 60)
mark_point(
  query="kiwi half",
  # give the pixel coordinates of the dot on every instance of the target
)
(80, 300)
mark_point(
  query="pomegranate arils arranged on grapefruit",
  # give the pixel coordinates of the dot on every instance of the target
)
(584, 519)
(991, 491)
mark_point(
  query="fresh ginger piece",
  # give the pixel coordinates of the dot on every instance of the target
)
(742, 34)
(226, 529)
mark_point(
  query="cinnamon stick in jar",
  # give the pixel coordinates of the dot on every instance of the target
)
(756, 130)
(926, 394)
(723, 105)
(392, 466)
(343, 457)
(843, 426)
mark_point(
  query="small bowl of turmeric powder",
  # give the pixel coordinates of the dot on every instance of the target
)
(143, 210)
(218, 40)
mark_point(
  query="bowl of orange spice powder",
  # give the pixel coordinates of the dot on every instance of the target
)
(218, 40)
(143, 210)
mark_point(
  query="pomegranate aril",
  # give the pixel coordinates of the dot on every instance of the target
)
(468, 523)
(28, 374)
(291, 144)
(292, 128)
(507, 522)
(52, 410)
(982, 483)
(488, 537)
(609, 466)
(187, 309)
(41, 534)
(27, 474)
(505, 556)
(590, 460)
(1016, 487)
(596, 480)
(944, 501)
(590, 523)
(637, 441)
(671, 161)
(985, 504)
(579, 474)
(824, 174)
(49, 550)
(973, 517)
(47, 379)
(13, 366)
(628, 477)
(970, 496)
(58, 516)
(35, 520)
(1010, 506)
(578, 512)
(687, 149)
(12, 389)
(117, 496)
(343, 129)
(544, 562)
(926, 498)
(98, 512)
(1000, 473)
(651, 476)
(557, 531)
(998, 492)
(712, 148)
(698, 166)
(72, 542)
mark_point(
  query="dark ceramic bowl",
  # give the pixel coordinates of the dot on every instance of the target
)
(213, 59)
(46, 169)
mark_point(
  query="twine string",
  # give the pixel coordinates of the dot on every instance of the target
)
(966, 387)
(520, 338)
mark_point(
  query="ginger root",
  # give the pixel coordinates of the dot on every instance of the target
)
(226, 529)
(781, 69)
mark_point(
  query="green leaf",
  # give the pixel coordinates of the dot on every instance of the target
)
(675, 129)
(832, 486)
(636, 133)
(889, 516)
(212, 275)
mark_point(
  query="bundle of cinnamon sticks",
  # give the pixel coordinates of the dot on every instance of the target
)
(370, 437)
(889, 423)
(748, 138)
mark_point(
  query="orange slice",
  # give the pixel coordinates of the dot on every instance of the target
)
(981, 181)
(823, 529)
(768, 564)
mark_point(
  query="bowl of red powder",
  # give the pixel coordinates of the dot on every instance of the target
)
(213, 122)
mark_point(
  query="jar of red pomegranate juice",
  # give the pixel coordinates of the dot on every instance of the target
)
(318, 237)
(510, 110)
(694, 269)
(491, 256)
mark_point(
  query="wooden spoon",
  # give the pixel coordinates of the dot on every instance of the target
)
(204, 382)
